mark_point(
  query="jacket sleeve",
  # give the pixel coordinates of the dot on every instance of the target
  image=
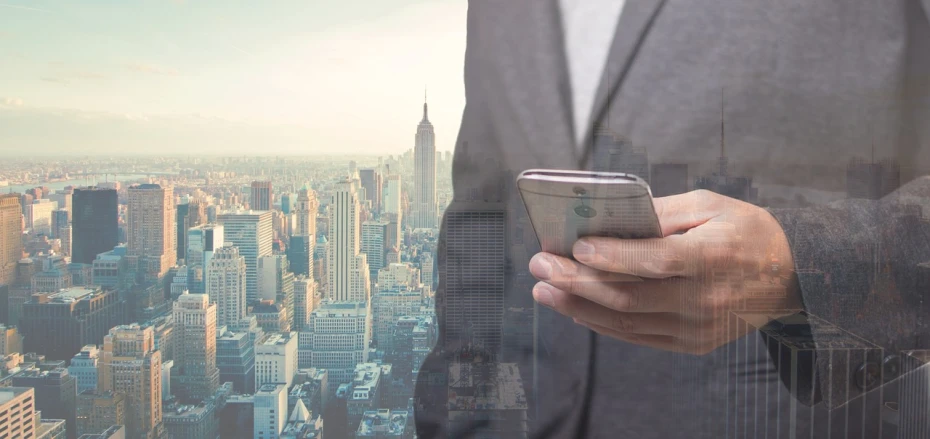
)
(861, 269)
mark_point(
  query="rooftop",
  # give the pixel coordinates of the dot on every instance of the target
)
(8, 393)
(72, 294)
(383, 422)
(279, 338)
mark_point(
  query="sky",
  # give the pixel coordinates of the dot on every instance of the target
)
(281, 77)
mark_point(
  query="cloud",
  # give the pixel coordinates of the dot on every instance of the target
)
(11, 102)
(152, 69)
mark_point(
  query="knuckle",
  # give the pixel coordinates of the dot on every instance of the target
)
(622, 322)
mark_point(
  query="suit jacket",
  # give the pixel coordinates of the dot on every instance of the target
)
(826, 125)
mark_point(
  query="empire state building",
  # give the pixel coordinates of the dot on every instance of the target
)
(424, 174)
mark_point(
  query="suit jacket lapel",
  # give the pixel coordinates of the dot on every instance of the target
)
(635, 22)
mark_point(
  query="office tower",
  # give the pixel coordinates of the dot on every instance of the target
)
(83, 368)
(271, 317)
(17, 412)
(320, 269)
(195, 371)
(336, 339)
(424, 175)
(64, 198)
(475, 300)
(182, 223)
(306, 209)
(225, 277)
(64, 237)
(300, 255)
(60, 220)
(276, 359)
(399, 293)
(276, 282)
(305, 301)
(191, 421)
(288, 201)
(11, 237)
(54, 275)
(270, 411)
(371, 182)
(11, 341)
(613, 153)
(426, 270)
(152, 236)
(58, 325)
(251, 232)
(373, 245)
(94, 223)
(668, 179)
(202, 241)
(96, 412)
(55, 393)
(109, 268)
(235, 358)
(39, 216)
(261, 196)
(872, 180)
(348, 276)
(179, 283)
(131, 365)
(391, 195)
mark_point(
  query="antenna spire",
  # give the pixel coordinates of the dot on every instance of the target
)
(722, 161)
(425, 109)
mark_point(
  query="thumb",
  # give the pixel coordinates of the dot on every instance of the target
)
(680, 213)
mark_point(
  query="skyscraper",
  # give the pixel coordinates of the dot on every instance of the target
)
(130, 365)
(300, 254)
(94, 223)
(225, 277)
(270, 411)
(276, 359)
(11, 237)
(475, 298)
(391, 196)
(59, 324)
(56, 394)
(60, 219)
(288, 200)
(261, 196)
(251, 232)
(371, 182)
(152, 234)
(39, 216)
(348, 276)
(306, 209)
(202, 242)
(195, 360)
(305, 301)
(276, 282)
(373, 245)
(424, 175)
(336, 339)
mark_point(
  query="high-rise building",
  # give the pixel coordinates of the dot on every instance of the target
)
(61, 218)
(195, 371)
(371, 182)
(424, 175)
(307, 208)
(58, 325)
(872, 180)
(98, 411)
(83, 368)
(306, 300)
(191, 421)
(11, 237)
(235, 358)
(152, 234)
(270, 412)
(55, 393)
(348, 277)
(94, 223)
(271, 316)
(202, 242)
(131, 365)
(225, 276)
(373, 245)
(261, 196)
(276, 359)
(64, 237)
(288, 200)
(251, 232)
(39, 216)
(336, 340)
(276, 282)
(427, 270)
(11, 341)
(18, 412)
(475, 297)
(391, 195)
(300, 254)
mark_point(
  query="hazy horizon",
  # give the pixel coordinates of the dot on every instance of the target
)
(232, 78)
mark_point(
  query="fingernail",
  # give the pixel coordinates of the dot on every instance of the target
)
(541, 268)
(543, 295)
(583, 251)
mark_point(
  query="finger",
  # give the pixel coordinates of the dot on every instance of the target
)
(619, 292)
(583, 309)
(657, 258)
(678, 213)
(661, 342)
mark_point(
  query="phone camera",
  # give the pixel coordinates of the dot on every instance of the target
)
(585, 211)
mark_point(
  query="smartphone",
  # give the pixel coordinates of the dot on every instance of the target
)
(566, 205)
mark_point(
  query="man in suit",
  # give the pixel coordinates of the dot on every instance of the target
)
(787, 293)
